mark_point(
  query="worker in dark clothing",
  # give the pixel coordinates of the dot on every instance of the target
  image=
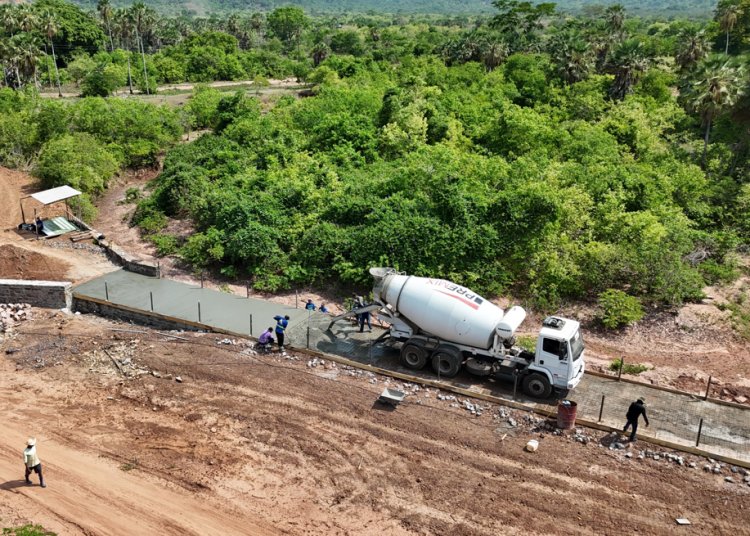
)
(39, 226)
(635, 410)
(310, 306)
(281, 323)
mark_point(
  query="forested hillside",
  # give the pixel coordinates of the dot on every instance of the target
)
(666, 8)
(548, 156)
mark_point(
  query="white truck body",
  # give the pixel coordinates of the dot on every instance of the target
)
(454, 326)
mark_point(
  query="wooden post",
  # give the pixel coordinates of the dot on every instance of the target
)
(247, 289)
(708, 388)
(515, 383)
(106, 291)
(199, 311)
(601, 410)
(296, 299)
(158, 269)
(251, 324)
(700, 430)
(622, 364)
(201, 278)
(151, 295)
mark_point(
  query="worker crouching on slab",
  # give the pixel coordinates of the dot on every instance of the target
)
(635, 410)
(31, 460)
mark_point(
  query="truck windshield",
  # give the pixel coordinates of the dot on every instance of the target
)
(576, 345)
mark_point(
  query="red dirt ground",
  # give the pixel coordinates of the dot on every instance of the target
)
(248, 446)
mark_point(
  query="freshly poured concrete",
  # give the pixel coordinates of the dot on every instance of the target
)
(674, 417)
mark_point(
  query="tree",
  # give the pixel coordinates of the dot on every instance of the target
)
(714, 89)
(124, 29)
(319, 52)
(494, 53)
(692, 48)
(287, 24)
(572, 56)
(615, 18)
(104, 7)
(76, 30)
(49, 27)
(519, 19)
(628, 62)
(142, 18)
(728, 16)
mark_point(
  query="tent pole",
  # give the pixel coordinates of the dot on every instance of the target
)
(23, 216)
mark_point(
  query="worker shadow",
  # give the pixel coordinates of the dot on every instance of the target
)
(13, 484)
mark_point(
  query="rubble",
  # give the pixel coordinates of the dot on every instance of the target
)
(13, 313)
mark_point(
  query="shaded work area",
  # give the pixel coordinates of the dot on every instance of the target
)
(47, 218)
(675, 417)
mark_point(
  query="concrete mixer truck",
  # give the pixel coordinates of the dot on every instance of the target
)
(451, 327)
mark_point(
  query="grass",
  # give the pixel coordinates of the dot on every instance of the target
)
(129, 466)
(628, 368)
(27, 530)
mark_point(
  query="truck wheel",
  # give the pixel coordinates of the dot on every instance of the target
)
(446, 361)
(537, 385)
(478, 367)
(413, 356)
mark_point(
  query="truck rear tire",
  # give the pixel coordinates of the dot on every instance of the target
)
(537, 385)
(413, 356)
(446, 361)
(478, 367)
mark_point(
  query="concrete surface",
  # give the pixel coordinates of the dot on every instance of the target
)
(674, 417)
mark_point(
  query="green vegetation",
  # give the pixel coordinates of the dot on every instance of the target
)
(526, 151)
(619, 309)
(627, 368)
(27, 530)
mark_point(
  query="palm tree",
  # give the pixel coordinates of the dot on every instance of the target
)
(141, 16)
(615, 18)
(28, 56)
(494, 52)
(49, 26)
(123, 28)
(104, 7)
(692, 48)
(714, 89)
(573, 56)
(320, 51)
(628, 62)
(26, 18)
(9, 18)
(727, 20)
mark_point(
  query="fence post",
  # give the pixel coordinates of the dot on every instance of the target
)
(601, 410)
(296, 299)
(251, 324)
(515, 383)
(622, 364)
(151, 296)
(700, 430)
(199, 311)
(158, 269)
(247, 289)
(106, 291)
(708, 388)
(201, 278)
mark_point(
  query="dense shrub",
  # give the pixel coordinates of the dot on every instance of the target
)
(619, 309)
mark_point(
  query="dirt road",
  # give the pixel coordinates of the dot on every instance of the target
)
(304, 450)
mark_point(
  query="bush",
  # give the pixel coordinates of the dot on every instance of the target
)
(165, 244)
(203, 105)
(627, 368)
(27, 530)
(103, 81)
(619, 309)
(78, 160)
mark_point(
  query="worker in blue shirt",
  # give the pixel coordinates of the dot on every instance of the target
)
(310, 306)
(281, 323)
(323, 308)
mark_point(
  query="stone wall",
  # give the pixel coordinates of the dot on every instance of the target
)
(84, 304)
(53, 294)
(129, 262)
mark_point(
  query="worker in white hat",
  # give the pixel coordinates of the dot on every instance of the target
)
(31, 461)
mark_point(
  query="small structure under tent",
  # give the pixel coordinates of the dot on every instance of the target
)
(51, 225)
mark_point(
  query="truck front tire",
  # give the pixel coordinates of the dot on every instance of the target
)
(446, 361)
(537, 385)
(413, 356)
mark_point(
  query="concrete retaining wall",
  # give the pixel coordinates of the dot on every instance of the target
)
(85, 304)
(53, 294)
(131, 263)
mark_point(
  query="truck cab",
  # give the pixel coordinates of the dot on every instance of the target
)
(559, 352)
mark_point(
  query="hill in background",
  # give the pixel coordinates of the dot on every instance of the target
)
(466, 7)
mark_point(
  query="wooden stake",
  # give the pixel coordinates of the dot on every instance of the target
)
(622, 364)
(601, 410)
(708, 387)
(700, 430)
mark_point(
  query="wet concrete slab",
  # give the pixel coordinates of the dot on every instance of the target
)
(674, 417)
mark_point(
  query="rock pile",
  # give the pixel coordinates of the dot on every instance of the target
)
(12, 313)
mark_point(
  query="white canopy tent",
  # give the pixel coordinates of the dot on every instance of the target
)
(53, 195)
